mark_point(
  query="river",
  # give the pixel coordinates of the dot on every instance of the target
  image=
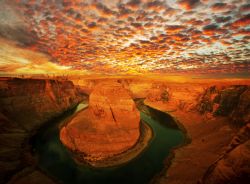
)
(56, 161)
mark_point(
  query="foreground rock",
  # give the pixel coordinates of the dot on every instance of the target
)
(234, 165)
(25, 105)
(110, 126)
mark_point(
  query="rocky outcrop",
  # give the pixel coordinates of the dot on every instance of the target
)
(159, 92)
(242, 111)
(110, 126)
(231, 101)
(173, 97)
(137, 88)
(26, 104)
(207, 112)
(233, 167)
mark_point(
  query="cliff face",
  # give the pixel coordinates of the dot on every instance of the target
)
(173, 97)
(109, 126)
(233, 166)
(207, 111)
(137, 88)
(25, 104)
(231, 101)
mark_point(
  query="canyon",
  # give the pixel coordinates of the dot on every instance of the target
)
(124, 92)
(210, 111)
(214, 114)
(211, 115)
(108, 127)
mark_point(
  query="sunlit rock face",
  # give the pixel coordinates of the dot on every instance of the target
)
(137, 87)
(173, 97)
(109, 126)
(158, 93)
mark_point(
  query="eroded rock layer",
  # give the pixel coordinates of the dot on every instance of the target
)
(26, 104)
(111, 124)
(231, 101)
(208, 113)
(233, 166)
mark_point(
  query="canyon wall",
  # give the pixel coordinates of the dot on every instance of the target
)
(173, 97)
(221, 100)
(233, 166)
(137, 88)
(208, 112)
(231, 101)
(25, 105)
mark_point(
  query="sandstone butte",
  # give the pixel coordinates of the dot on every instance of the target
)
(109, 126)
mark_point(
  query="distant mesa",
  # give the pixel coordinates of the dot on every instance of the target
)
(110, 126)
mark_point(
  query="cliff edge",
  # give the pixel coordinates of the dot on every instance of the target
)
(25, 105)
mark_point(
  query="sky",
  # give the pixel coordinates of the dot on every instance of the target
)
(125, 36)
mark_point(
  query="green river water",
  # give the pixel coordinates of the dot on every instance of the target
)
(57, 162)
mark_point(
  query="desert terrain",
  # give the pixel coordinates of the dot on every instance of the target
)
(213, 114)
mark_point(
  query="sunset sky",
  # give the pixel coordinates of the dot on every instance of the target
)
(125, 36)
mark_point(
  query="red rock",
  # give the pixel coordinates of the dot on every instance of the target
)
(232, 101)
(233, 166)
(25, 105)
(109, 126)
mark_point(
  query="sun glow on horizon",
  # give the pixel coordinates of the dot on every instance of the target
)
(127, 36)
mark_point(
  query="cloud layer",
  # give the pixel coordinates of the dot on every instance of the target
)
(134, 36)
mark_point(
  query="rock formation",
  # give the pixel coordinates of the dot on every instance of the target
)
(207, 112)
(111, 124)
(234, 166)
(159, 92)
(232, 101)
(26, 104)
(173, 97)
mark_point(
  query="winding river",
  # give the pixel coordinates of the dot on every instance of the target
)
(56, 161)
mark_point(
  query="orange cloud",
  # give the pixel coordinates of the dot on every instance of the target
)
(244, 21)
(174, 28)
(125, 36)
(188, 4)
(222, 7)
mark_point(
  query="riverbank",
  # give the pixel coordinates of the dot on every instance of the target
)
(208, 139)
(146, 134)
(171, 121)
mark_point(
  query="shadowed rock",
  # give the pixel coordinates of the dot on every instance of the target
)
(231, 101)
(234, 166)
(25, 105)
